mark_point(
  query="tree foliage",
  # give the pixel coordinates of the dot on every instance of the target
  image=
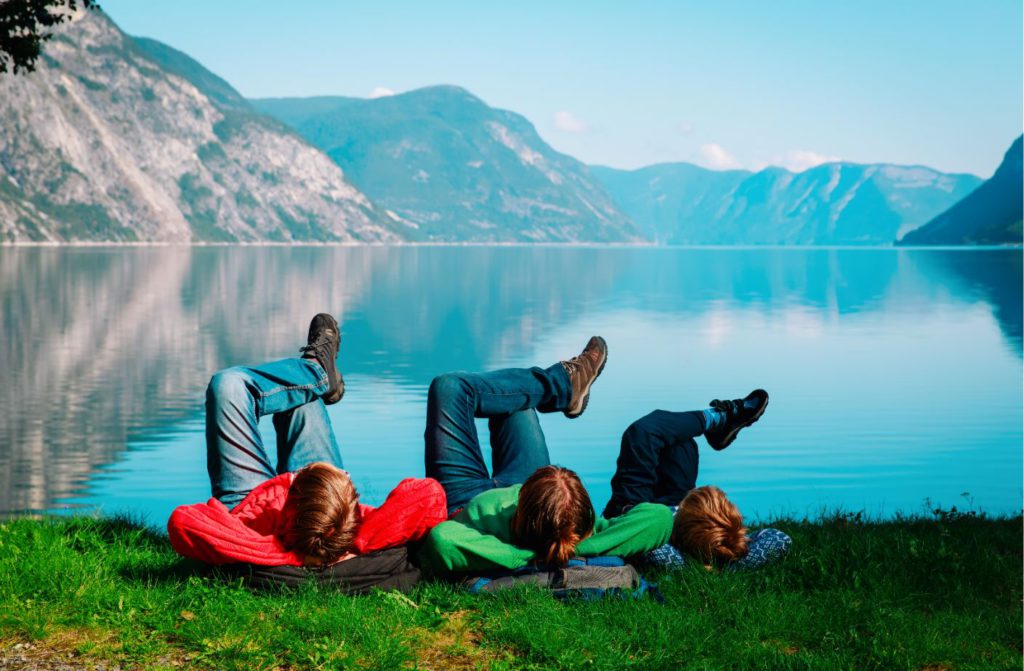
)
(24, 26)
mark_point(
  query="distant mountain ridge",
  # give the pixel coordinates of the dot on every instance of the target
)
(833, 203)
(450, 168)
(992, 214)
(117, 139)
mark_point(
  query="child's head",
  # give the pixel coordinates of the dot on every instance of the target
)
(326, 512)
(709, 526)
(554, 514)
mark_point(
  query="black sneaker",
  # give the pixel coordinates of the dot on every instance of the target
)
(322, 346)
(583, 370)
(739, 414)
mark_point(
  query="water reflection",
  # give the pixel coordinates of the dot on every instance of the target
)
(105, 349)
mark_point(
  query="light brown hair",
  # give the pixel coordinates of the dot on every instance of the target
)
(709, 526)
(554, 514)
(326, 512)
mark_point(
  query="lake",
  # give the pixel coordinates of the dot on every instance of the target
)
(895, 375)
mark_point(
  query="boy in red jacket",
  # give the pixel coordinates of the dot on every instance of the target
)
(306, 511)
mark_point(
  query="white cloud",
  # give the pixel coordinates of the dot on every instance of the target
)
(799, 160)
(717, 158)
(381, 92)
(684, 128)
(567, 122)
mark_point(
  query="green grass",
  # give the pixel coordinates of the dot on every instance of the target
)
(942, 592)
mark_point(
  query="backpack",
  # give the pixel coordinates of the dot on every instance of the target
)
(385, 570)
(583, 578)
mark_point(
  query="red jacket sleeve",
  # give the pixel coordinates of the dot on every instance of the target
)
(411, 510)
(249, 533)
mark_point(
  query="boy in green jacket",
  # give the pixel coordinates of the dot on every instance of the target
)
(528, 510)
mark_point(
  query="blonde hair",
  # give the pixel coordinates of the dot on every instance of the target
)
(553, 515)
(326, 512)
(709, 526)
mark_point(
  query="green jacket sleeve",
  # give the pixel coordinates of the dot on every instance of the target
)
(645, 527)
(454, 546)
(478, 539)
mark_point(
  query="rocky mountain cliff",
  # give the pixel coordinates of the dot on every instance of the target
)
(835, 203)
(450, 168)
(117, 140)
(992, 214)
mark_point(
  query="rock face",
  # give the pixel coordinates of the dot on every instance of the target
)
(450, 168)
(117, 140)
(992, 214)
(835, 203)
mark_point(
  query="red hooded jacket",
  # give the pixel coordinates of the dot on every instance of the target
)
(255, 530)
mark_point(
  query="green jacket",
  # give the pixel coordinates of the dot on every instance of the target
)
(478, 538)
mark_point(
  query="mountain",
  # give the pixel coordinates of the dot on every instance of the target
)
(450, 168)
(834, 203)
(990, 215)
(121, 139)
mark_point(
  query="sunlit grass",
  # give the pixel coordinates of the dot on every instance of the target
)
(938, 592)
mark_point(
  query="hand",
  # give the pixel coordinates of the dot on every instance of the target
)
(344, 557)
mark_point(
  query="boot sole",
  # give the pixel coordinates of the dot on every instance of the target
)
(586, 392)
(731, 436)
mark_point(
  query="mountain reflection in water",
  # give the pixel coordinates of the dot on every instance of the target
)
(107, 351)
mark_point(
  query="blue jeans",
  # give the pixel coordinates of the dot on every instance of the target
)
(290, 390)
(510, 400)
(657, 462)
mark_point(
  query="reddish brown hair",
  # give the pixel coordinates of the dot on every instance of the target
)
(709, 526)
(326, 512)
(554, 514)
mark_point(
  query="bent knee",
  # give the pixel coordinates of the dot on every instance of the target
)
(646, 426)
(447, 386)
(225, 383)
(641, 429)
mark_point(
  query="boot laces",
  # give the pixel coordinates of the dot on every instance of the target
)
(730, 408)
(323, 341)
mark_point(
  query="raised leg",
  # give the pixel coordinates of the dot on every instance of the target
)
(305, 436)
(452, 448)
(518, 447)
(236, 398)
(658, 460)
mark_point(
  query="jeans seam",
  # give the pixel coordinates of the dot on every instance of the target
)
(303, 387)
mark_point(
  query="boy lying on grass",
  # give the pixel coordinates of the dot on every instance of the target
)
(529, 512)
(526, 510)
(306, 511)
(658, 462)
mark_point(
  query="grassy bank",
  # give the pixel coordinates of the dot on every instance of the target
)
(942, 592)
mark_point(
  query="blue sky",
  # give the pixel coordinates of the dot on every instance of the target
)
(730, 84)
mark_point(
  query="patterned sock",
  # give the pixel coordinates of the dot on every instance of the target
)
(712, 418)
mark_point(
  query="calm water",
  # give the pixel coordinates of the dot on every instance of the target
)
(895, 375)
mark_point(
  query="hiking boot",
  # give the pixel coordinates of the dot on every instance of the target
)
(739, 413)
(583, 370)
(322, 346)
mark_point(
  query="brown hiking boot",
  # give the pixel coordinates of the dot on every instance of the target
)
(583, 370)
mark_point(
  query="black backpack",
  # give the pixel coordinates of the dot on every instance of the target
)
(384, 570)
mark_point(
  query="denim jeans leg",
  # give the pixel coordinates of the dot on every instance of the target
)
(658, 460)
(452, 448)
(518, 447)
(305, 436)
(236, 398)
